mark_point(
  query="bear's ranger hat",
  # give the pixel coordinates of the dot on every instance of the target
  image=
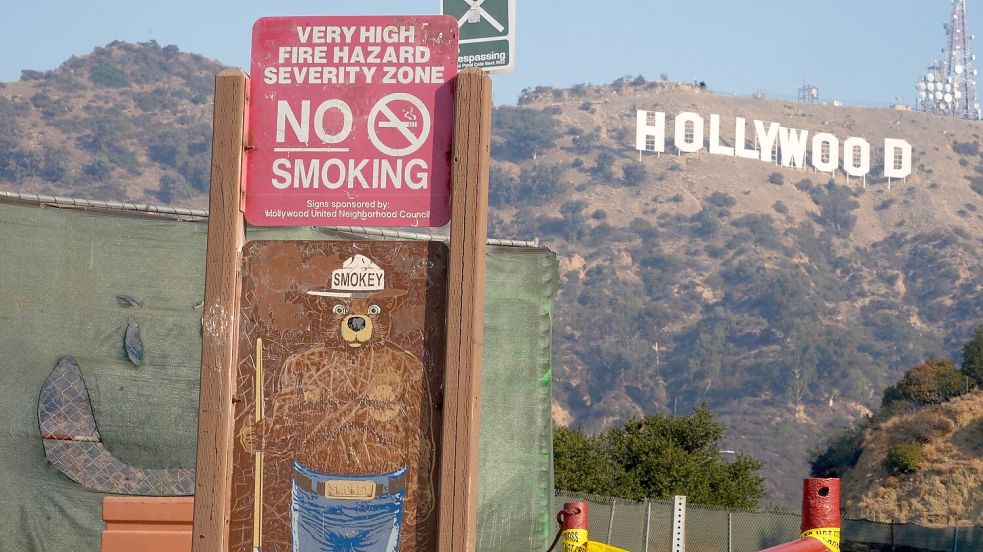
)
(358, 277)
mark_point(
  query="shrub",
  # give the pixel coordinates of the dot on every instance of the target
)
(720, 199)
(540, 183)
(780, 207)
(604, 166)
(841, 453)
(803, 185)
(926, 426)
(99, 169)
(714, 251)
(108, 75)
(904, 458)
(886, 204)
(634, 173)
(583, 142)
(174, 187)
(776, 178)
(976, 184)
(707, 222)
(642, 227)
(966, 148)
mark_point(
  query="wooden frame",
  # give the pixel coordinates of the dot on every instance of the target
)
(220, 324)
(457, 520)
(458, 476)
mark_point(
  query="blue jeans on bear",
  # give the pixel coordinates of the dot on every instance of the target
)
(322, 524)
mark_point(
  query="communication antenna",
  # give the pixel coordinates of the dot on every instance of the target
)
(809, 93)
(948, 87)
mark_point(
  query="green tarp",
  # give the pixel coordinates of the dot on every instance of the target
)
(60, 273)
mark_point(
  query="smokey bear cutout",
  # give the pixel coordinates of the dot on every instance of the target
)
(347, 435)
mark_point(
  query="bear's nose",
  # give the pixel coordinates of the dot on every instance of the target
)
(356, 323)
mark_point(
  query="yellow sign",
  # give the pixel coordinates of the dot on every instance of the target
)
(575, 540)
(829, 536)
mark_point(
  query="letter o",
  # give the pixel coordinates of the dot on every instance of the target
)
(346, 126)
(682, 144)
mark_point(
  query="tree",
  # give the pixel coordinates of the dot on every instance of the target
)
(931, 382)
(973, 356)
(604, 166)
(580, 464)
(836, 206)
(109, 75)
(174, 187)
(523, 133)
(634, 173)
(658, 456)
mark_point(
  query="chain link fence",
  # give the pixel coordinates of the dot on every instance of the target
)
(647, 527)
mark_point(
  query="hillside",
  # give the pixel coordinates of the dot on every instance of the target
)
(948, 487)
(783, 299)
(126, 122)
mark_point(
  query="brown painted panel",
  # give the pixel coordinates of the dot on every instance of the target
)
(349, 338)
(158, 524)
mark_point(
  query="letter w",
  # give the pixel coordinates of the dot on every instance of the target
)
(793, 144)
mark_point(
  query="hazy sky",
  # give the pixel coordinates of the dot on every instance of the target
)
(859, 51)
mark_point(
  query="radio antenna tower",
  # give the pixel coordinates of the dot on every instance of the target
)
(949, 86)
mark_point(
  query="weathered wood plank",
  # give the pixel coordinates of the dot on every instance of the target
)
(226, 235)
(457, 526)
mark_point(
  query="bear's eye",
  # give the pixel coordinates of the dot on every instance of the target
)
(375, 309)
(339, 309)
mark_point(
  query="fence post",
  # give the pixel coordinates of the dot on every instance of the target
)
(648, 523)
(614, 501)
(730, 532)
(679, 523)
(955, 537)
(892, 535)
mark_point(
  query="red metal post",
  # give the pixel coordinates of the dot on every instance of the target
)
(573, 516)
(820, 518)
(573, 519)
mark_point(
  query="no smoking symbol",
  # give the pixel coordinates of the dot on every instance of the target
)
(412, 124)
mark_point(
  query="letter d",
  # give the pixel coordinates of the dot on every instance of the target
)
(897, 158)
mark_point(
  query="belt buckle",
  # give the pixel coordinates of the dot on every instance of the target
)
(344, 489)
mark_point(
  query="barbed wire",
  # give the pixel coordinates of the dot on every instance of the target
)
(182, 212)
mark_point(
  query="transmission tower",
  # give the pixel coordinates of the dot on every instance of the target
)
(949, 86)
(809, 93)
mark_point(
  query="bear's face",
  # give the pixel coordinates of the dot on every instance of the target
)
(358, 321)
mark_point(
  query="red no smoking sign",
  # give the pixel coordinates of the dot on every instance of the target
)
(351, 120)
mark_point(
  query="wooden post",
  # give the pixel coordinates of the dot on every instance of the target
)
(220, 325)
(457, 525)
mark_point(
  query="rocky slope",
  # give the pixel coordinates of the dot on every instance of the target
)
(949, 485)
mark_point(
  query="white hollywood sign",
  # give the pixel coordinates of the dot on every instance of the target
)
(774, 143)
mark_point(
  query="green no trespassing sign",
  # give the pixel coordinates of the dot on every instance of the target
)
(487, 38)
